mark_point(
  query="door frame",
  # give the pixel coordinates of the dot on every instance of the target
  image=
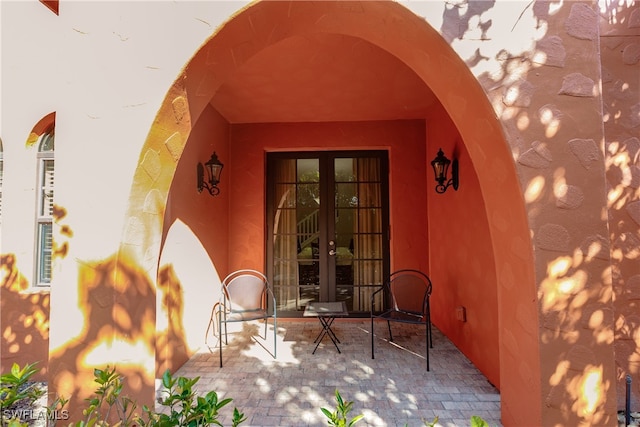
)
(326, 211)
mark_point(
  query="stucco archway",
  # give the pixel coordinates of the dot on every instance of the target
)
(415, 43)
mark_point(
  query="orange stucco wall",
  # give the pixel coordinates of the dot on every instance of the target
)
(207, 218)
(461, 259)
(619, 44)
(405, 141)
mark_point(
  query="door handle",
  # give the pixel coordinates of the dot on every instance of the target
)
(332, 252)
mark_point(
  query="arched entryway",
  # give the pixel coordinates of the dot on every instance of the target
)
(190, 126)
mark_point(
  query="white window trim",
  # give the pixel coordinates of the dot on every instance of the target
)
(43, 218)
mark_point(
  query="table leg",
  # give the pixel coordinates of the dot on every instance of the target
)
(329, 322)
(326, 330)
(321, 333)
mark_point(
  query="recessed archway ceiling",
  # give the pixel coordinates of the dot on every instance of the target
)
(323, 77)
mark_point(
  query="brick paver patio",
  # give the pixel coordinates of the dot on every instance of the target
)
(394, 389)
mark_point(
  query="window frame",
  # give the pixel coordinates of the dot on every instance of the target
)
(44, 210)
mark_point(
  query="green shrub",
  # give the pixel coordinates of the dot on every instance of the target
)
(476, 421)
(16, 387)
(339, 417)
(185, 407)
(107, 403)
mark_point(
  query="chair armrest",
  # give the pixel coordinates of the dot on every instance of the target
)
(373, 296)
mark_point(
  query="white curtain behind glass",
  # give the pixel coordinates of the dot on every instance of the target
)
(367, 244)
(284, 236)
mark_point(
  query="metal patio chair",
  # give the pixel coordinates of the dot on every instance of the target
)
(407, 293)
(246, 296)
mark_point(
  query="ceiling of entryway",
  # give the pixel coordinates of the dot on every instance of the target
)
(322, 77)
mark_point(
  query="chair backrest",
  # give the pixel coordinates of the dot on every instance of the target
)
(244, 290)
(409, 291)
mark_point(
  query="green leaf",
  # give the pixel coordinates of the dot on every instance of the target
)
(432, 423)
(238, 417)
(167, 381)
(355, 419)
(477, 421)
(15, 370)
(15, 422)
(224, 402)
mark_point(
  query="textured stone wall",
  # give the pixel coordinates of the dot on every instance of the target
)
(539, 63)
(563, 169)
(620, 53)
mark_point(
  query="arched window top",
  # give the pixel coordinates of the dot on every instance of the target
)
(45, 125)
(53, 5)
(46, 142)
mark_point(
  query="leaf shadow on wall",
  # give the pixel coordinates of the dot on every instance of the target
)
(25, 319)
(118, 304)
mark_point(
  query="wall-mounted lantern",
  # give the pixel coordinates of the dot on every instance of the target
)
(214, 169)
(440, 168)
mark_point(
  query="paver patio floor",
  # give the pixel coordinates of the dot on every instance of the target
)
(394, 389)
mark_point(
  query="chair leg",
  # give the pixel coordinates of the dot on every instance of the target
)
(206, 334)
(430, 335)
(426, 340)
(390, 335)
(275, 337)
(429, 323)
(220, 335)
(212, 320)
(372, 350)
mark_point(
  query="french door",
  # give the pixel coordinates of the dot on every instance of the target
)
(327, 216)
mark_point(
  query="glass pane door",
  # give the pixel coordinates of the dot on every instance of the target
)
(328, 214)
(360, 245)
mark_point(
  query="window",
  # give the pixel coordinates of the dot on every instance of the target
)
(44, 190)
